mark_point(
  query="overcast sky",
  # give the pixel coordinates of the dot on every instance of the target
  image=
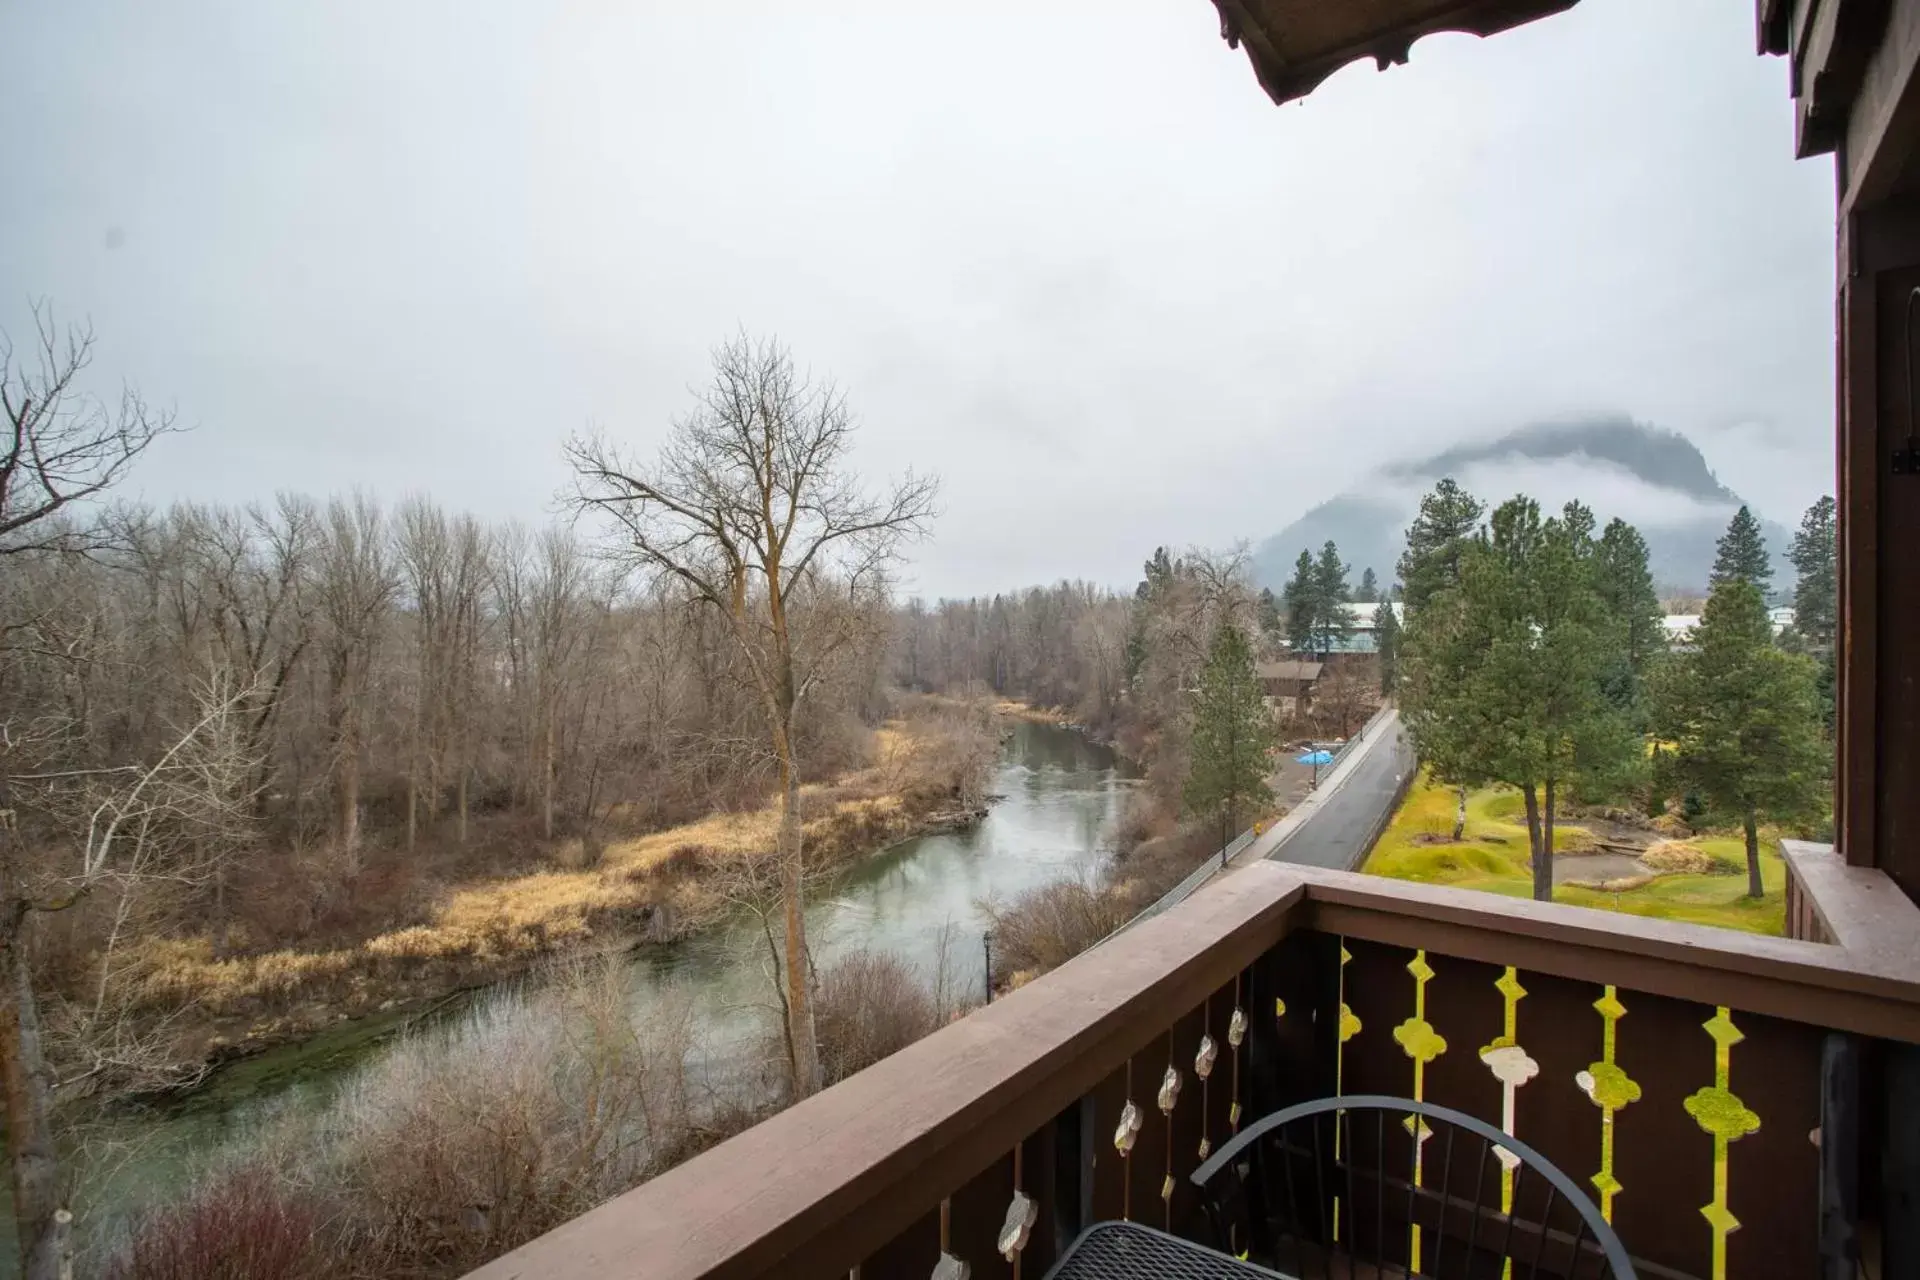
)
(1065, 253)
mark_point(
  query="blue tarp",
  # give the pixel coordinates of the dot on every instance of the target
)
(1315, 757)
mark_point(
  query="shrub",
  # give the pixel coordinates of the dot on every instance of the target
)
(1677, 857)
(470, 1139)
(1045, 927)
(240, 1226)
(1575, 840)
(1671, 825)
(869, 1004)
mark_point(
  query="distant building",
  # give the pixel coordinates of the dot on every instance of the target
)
(1679, 626)
(1362, 639)
(1287, 686)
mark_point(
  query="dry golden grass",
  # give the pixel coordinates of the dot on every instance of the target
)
(498, 925)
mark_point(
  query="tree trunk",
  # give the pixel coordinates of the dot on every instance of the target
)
(222, 934)
(1755, 889)
(1542, 864)
(1546, 823)
(1460, 817)
(461, 829)
(806, 1053)
(348, 816)
(40, 1221)
(546, 781)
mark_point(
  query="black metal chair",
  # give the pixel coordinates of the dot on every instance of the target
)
(1369, 1185)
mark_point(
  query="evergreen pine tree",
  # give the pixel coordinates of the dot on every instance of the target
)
(1273, 626)
(1744, 719)
(1503, 671)
(1816, 590)
(1301, 604)
(1435, 540)
(1369, 592)
(1332, 623)
(1386, 631)
(1157, 577)
(1626, 592)
(1742, 553)
(1232, 734)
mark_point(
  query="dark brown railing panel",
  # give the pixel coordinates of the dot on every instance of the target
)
(1869, 984)
(826, 1185)
(1710, 1146)
(879, 1172)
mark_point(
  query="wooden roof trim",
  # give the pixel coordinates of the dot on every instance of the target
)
(1258, 25)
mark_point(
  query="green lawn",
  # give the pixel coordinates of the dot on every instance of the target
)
(1493, 858)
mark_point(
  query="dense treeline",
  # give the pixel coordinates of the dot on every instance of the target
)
(260, 759)
(1535, 657)
(396, 674)
(1060, 646)
(1125, 666)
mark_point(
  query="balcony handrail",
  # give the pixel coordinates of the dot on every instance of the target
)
(822, 1185)
(1871, 988)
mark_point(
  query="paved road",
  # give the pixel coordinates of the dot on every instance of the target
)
(1334, 826)
(1331, 827)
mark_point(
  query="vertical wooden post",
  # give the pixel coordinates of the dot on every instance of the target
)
(1900, 1163)
(1839, 1158)
(1072, 1197)
(1877, 797)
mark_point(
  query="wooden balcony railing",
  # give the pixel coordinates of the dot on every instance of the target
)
(1704, 1083)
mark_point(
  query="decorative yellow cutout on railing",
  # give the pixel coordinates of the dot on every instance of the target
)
(1611, 1089)
(1416, 1035)
(1719, 1112)
(1349, 1024)
(1423, 1044)
(1349, 1028)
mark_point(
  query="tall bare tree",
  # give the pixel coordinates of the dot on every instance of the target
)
(752, 510)
(62, 446)
(356, 586)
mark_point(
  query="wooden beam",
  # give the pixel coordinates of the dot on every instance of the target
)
(1883, 124)
(1856, 555)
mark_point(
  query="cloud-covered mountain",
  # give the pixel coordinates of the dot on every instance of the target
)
(1653, 478)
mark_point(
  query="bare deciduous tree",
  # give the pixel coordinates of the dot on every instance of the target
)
(356, 585)
(62, 444)
(751, 510)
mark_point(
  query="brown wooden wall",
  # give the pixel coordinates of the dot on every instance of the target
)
(1878, 796)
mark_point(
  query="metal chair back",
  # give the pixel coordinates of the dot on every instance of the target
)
(1369, 1185)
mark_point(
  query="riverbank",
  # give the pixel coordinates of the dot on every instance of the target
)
(924, 774)
(380, 1153)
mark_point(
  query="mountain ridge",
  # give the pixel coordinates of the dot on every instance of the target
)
(1654, 477)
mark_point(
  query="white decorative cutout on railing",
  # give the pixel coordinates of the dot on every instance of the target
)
(1021, 1215)
(1127, 1130)
(1169, 1090)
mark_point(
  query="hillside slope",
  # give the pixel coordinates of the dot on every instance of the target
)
(1654, 478)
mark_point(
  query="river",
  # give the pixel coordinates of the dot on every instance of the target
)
(1059, 799)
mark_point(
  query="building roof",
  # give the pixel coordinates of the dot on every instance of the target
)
(1680, 625)
(1295, 44)
(1362, 611)
(1307, 672)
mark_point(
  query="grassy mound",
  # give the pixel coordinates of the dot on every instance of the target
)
(1492, 857)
